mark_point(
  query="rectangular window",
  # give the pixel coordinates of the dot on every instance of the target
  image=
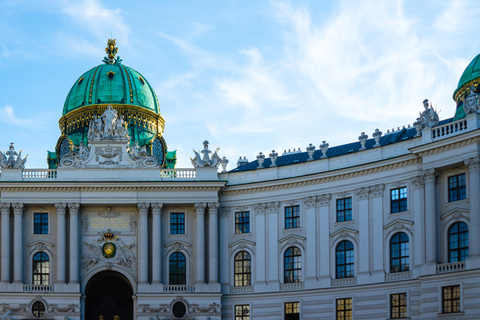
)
(344, 209)
(457, 189)
(292, 310)
(242, 222)
(344, 309)
(398, 305)
(398, 200)
(451, 299)
(242, 312)
(292, 217)
(40, 223)
(177, 223)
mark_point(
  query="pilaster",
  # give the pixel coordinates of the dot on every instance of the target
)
(156, 242)
(323, 258)
(224, 267)
(272, 263)
(260, 266)
(377, 192)
(213, 242)
(364, 237)
(61, 233)
(143, 243)
(5, 253)
(74, 257)
(310, 204)
(417, 206)
(200, 242)
(473, 165)
(431, 221)
(18, 243)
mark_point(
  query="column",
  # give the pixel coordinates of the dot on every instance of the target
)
(18, 243)
(311, 230)
(417, 206)
(224, 268)
(273, 261)
(200, 241)
(213, 242)
(143, 243)
(60, 242)
(156, 242)
(260, 265)
(474, 192)
(363, 253)
(73, 209)
(5, 253)
(377, 226)
(430, 217)
(324, 237)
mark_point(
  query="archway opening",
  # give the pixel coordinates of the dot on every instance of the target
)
(108, 295)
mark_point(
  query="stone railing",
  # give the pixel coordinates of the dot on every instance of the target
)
(292, 286)
(449, 129)
(177, 173)
(245, 289)
(398, 276)
(37, 288)
(37, 174)
(450, 267)
(178, 288)
(344, 282)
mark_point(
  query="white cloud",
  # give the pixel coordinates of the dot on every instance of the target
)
(8, 116)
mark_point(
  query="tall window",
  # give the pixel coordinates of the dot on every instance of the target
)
(41, 268)
(40, 223)
(344, 209)
(344, 309)
(243, 269)
(177, 269)
(242, 222)
(38, 309)
(292, 217)
(398, 305)
(399, 253)
(458, 242)
(242, 312)
(345, 260)
(292, 265)
(398, 200)
(451, 299)
(292, 310)
(177, 223)
(457, 189)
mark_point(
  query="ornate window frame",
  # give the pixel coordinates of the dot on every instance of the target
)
(168, 212)
(446, 221)
(49, 215)
(399, 225)
(177, 246)
(36, 247)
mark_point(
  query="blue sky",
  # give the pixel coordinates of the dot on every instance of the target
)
(248, 76)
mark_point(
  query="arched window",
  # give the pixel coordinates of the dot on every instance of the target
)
(41, 268)
(177, 269)
(345, 260)
(292, 265)
(458, 242)
(399, 253)
(243, 269)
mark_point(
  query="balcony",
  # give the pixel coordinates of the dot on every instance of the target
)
(178, 289)
(450, 267)
(344, 282)
(37, 288)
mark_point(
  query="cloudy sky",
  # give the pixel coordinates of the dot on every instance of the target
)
(247, 75)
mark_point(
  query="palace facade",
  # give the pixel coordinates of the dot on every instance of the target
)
(386, 227)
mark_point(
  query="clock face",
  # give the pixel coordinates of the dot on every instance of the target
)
(158, 150)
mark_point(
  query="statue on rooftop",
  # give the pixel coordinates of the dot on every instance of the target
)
(14, 160)
(198, 162)
(108, 126)
(429, 117)
(471, 102)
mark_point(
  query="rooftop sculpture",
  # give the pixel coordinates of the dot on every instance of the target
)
(11, 159)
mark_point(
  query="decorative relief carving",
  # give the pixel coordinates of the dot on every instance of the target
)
(455, 216)
(431, 175)
(324, 199)
(362, 193)
(225, 211)
(291, 202)
(398, 225)
(109, 213)
(200, 207)
(124, 254)
(310, 202)
(473, 164)
(272, 207)
(344, 234)
(259, 208)
(418, 182)
(213, 207)
(132, 223)
(377, 190)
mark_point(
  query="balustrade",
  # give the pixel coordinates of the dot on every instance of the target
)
(450, 267)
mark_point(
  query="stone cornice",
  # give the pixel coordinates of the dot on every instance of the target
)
(443, 145)
(106, 189)
(315, 181)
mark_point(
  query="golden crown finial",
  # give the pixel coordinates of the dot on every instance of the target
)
(111, 50)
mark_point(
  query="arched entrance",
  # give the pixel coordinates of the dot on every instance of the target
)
(108, 294)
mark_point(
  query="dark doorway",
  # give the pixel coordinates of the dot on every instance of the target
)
(108, 294)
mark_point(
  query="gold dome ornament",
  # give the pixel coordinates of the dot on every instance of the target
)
(109, 250)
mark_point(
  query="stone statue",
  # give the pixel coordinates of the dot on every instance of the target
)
(214, 161)
(109, 118)
(471, 103)
(120, 127)
(14, 160)
(429, 117)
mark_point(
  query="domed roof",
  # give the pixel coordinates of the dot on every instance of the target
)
(472, 71)
(111, 83)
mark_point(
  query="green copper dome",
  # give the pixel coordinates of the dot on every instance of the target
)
(470, 77)
(111, 84)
